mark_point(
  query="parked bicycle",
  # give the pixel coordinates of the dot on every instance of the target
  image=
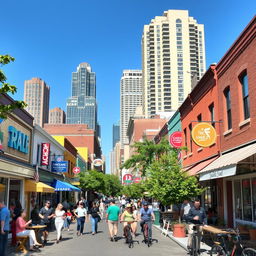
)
(195, 241)
(147, 233)
(230, 245)
(128, 234)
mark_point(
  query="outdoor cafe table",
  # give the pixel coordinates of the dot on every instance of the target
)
(37, 229)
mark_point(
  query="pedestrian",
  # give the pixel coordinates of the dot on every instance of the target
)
(68, 219)
(5, 228)
(112, 217)
(86, 204)
(36, 220)
(46, 214)
(196, 216)
(94, 218)
(80, 214)
(102, 209)
(15, 214)
(21, 225)
(59, 221)
(135, 213)
(185, 207)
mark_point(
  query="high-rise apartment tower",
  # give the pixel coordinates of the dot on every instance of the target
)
(130, 99)
(82, 106)
(57, 116)
(116, 133)
(173, 58)
(37, 97)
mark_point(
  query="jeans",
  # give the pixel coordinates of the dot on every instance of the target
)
(67, 222)
(3, 243)
(149, 222)
(80, 224)
(94, 223)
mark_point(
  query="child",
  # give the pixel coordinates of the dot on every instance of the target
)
(68, 219)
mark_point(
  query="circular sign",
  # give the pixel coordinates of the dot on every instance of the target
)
(127, 178)
(76, 170)
(136, 179)
(97, 162)
(176, 139)
(204, 135)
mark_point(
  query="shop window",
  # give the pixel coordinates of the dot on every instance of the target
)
(254, 198)
(245, 93)
(3, 189)
(14, 192)
(238, 199)
(247, 206)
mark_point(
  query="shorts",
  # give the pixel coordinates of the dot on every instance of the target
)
(48, 227)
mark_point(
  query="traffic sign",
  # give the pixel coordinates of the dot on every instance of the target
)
(76, 170)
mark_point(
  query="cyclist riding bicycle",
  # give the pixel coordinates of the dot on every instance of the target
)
(196, 217)
(146, 215)
(129, 216)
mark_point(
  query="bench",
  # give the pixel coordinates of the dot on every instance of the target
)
(21, 244)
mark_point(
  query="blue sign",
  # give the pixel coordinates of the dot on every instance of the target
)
(18, 140)
(59, 166)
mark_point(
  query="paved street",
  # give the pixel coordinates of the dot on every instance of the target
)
(100, 245)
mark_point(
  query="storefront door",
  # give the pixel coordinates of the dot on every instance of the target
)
(14, 192)
(229, 193)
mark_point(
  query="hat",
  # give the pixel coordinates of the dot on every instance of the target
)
(128, 205)
(145, 203)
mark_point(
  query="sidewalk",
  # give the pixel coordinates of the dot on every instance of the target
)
(182, 241)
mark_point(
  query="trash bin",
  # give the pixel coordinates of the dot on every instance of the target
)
(157, 218)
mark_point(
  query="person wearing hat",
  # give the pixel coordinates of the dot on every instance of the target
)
(146, 215)
(129, 216)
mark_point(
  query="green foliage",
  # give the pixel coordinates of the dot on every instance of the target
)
(134, 190)
(7, 88)
(99, 182)
(168, 183)
(145, 153)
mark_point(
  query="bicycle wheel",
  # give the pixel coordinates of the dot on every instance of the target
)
(217, 250)
(249, 252)
(194, 249)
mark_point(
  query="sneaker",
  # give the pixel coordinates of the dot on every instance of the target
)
(112, 239)
(115, 238)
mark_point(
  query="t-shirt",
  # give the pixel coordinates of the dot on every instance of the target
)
(81, 212)
(59, 215)
(128, 216)
(186, 208)
(20, 225)
(146, 215)
(46, 212)
(5, 216)
(113, 212)
(94, 212)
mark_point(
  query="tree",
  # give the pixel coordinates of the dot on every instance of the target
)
(112, 185)
(135, 190)
(7, 88)
(145, 153)
(92, 180)
(168, 183)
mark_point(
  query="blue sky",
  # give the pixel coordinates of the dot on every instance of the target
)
(49, 38)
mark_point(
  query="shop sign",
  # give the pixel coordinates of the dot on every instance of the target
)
(18, 140)
(175, 139)
(59, 166)
(76, 170)
(127, 179)
(204, 135)
(97, 162)
(136, 179)
(45, 153)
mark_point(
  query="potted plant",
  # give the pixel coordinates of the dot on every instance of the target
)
(252, 232)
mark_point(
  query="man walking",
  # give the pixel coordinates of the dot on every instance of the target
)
(112, 218)
(46, 214)
(5, 228)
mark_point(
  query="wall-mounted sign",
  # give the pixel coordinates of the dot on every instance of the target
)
(175, 139)
(59, 166)
(76, 170)
(97, 162)
(136, 179)
(18, 140)
(45, 152)
(127, 179)
(204, 135)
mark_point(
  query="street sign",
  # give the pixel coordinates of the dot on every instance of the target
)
(59, 166)
(127, 179)
(76, 170)
(175, 139)
(204, 135)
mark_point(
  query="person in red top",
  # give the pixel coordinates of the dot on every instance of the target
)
(21, 225)
(68, 219)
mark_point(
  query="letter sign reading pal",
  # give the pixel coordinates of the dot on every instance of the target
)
(45, 153)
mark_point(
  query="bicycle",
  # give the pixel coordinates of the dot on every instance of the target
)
(147, 240)
(128, 234)
(195, 248)
(223, 248)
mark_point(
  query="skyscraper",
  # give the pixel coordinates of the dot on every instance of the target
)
(116, 133)
(131, 98)
(173, 55)
(82, 106)
(37, 97)
(57, 116)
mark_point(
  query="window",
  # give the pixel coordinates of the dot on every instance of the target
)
(228, 108)
(245, 92)
(211, 109)
(199, 118)
(186, 139)
(246, 191)
(191, 141)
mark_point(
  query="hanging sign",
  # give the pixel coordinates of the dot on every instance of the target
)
(45, 154)
(127, 179)
(204, 135)
(59, 166)
(175, 139)
(97, 162)
(76, 170)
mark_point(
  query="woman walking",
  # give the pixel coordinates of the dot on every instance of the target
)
(59, 221)
(21, 225)
(80, 214)
(102, 208)
(94, 217)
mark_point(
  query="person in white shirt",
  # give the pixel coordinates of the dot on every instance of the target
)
(81, 215)
(185, 207)
(59, 220)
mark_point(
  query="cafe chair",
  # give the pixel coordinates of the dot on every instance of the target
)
(21, 244)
